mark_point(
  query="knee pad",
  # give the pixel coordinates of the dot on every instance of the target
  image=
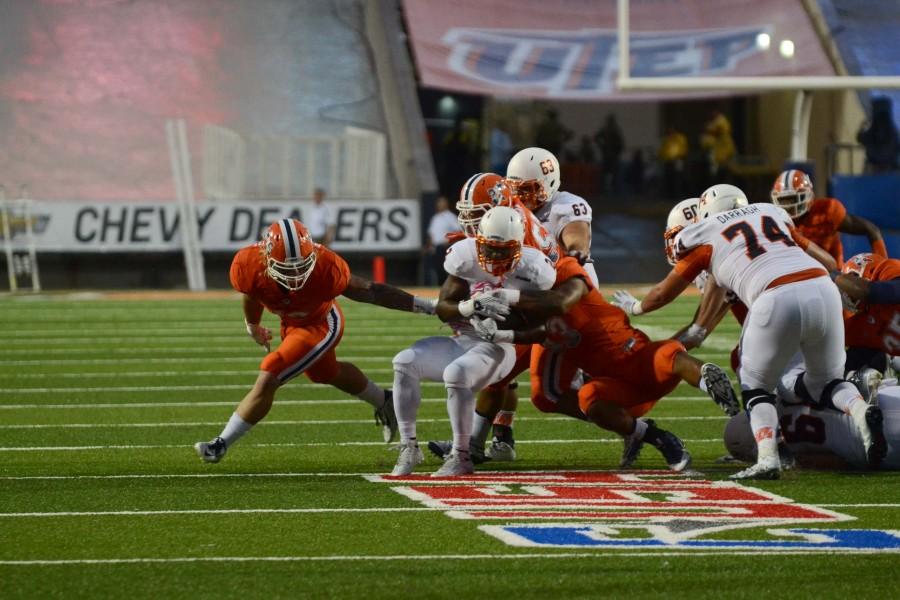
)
(756, 397)
(455, 376)
(404, 360)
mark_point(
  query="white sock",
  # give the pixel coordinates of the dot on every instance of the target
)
(846, 398)
(373, 394)
(764, 423)
(234, 429)
(702, 385)
(480, 431)
(407, 398)
(461, 408)
(640, 428)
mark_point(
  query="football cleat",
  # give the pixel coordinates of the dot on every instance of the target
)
(211, 452)
(867, 381)
(385, 417)
(786, 457)
(457, 463)
(501, 451)
(719, 388)
(764, 469)
(673, 451)
(876, 450)
(442, 451)
(410, 456)
(632, 448)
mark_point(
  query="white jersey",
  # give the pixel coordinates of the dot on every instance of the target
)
(534, 271)
(746, 249)
(562, 209)
(811, 431)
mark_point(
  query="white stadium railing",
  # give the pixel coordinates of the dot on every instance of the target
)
(352, 165)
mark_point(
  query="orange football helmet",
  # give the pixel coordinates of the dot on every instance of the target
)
(861, 265)
(793, 191)
(290, 253)
(482, 192)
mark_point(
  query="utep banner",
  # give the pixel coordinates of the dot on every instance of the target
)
(75, 226)
(567, 49)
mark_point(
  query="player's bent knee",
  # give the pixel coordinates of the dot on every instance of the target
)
(405, 361)
(543, 403)
(455, 376)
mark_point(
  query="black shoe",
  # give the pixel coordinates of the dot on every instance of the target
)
(632, 448)
(786, 457)
(877, 450)
(440, 449)
(672, 449)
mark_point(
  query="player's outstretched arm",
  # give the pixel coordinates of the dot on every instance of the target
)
(814, 250)
(662, 294)
(859, 226)
(541, 305)
(388, 296)
(713, 307)
(870, 292)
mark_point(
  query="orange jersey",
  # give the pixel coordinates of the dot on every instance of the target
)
(820, 224)
(536, 235)
(308, 305)
(877, 325)
(604, 329)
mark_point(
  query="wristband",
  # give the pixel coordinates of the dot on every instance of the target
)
(424, 305)
(636, 308)
(251, 327)
(696, 332)
(511, 297)
(504, 336)
(466, 308)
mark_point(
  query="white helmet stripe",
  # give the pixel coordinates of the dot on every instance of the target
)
(469, 184)
(291, 244)
(788, 175)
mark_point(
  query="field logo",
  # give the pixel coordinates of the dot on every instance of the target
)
(646, 510)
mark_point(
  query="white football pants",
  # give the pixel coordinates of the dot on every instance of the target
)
(463, 363)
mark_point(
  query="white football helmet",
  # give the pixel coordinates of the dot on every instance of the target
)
(739, 440)
(720, 198)
(499, 240)
(533, 175)
(683, 214)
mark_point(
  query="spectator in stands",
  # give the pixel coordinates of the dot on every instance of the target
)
(321, 221)
(501, 148)
(551, 134)
(611, 142)
(673, 152)
(442, 223)
(880, 138)
(586, 151)
(719, 145)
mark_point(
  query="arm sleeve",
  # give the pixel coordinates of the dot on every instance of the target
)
(884, 292)
(694, 262)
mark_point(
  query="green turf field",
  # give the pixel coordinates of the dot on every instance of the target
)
(102, 495)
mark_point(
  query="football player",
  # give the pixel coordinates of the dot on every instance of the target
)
(534, 175)
(818, 437)
(793, 306)
(821, 219)
(299, 280)
(465, 363)
(870, 288)
(626, 372)
(497, 403)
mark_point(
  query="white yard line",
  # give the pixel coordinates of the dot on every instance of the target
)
(306, 445)
(279, 402)
(295, 422)
(427, 557)
(243, 358)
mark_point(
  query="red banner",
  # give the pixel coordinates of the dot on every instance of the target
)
(567, 49)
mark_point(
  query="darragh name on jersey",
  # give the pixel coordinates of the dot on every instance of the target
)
(737, 212)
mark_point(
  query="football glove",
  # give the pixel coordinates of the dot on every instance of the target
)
(694, 336)
(261, 335)
(487, 330)
(484, 305)
(627, 302)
